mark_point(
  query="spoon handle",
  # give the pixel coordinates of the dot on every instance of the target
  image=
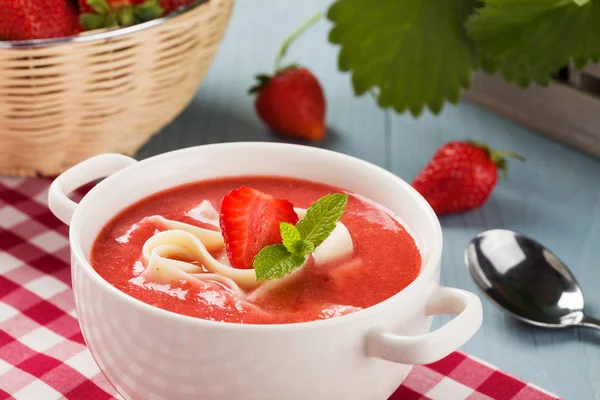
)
(590, 322)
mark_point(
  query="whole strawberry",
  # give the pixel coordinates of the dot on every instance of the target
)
(461, 176)
(291, 102)
(37, 19)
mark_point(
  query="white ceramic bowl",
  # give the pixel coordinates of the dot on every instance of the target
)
(149, 353)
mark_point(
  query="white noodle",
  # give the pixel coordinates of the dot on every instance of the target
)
(182, 241)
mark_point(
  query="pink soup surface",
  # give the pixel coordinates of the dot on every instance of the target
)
(384, 261)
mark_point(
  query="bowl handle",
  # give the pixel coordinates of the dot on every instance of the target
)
(80, 174)
(432, 346)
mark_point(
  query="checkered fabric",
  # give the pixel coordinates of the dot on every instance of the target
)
(42, 352)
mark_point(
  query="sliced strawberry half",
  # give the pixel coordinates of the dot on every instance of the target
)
(250, 221)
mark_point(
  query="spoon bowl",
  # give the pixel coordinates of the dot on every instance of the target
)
(521, 276)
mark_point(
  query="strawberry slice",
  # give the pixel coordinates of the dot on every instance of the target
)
(250, 221)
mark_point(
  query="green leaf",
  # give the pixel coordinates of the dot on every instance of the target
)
(528, 40)
(110, 20)
(321, 217)
(148, 10)
(262, 79)
(580, 2)
(306, 248)
(278, 260)
(92, 21)
(292, 240)
(99, 6)
(126, 16)
(415, 51)
(275, 261)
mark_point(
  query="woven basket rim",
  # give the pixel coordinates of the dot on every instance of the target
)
(105, 34)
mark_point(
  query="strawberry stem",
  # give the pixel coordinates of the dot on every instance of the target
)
(149, 10)
(503, 154)
(498, 157)
(286, 44)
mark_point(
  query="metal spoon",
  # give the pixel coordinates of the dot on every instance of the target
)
(524, 278)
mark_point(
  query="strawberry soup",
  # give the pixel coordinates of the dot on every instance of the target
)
(257, 250)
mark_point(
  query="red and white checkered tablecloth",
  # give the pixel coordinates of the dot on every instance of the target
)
(42, 352)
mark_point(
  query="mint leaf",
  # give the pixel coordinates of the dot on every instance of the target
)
(529, 40)
(415, 51)
(307, 248)
(292, 240)
(321, 217)
(278, 260)
(275, 261)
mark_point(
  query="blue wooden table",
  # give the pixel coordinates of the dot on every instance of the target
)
(554, 196)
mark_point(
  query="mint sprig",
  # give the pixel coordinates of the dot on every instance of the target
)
(291, 237)
(278, 260)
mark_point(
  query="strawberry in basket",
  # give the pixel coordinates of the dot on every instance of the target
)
(37, 19)
(172, 5)
(110, 13)
(97, 14)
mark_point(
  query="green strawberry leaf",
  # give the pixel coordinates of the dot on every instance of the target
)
(262, 81)
(275, 261)
(99, 6)
(126, 17)
(91, 21)
(528, 40)
(416, 52)
(110, 20)
(321, 217)
(148, 10)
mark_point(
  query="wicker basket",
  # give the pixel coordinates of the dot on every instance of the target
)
(62, 101)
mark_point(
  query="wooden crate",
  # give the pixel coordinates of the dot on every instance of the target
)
(568, 110)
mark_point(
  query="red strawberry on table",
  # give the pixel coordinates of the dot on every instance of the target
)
(250, 220)
(461, 176)
(37, 19)
(291, 101)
